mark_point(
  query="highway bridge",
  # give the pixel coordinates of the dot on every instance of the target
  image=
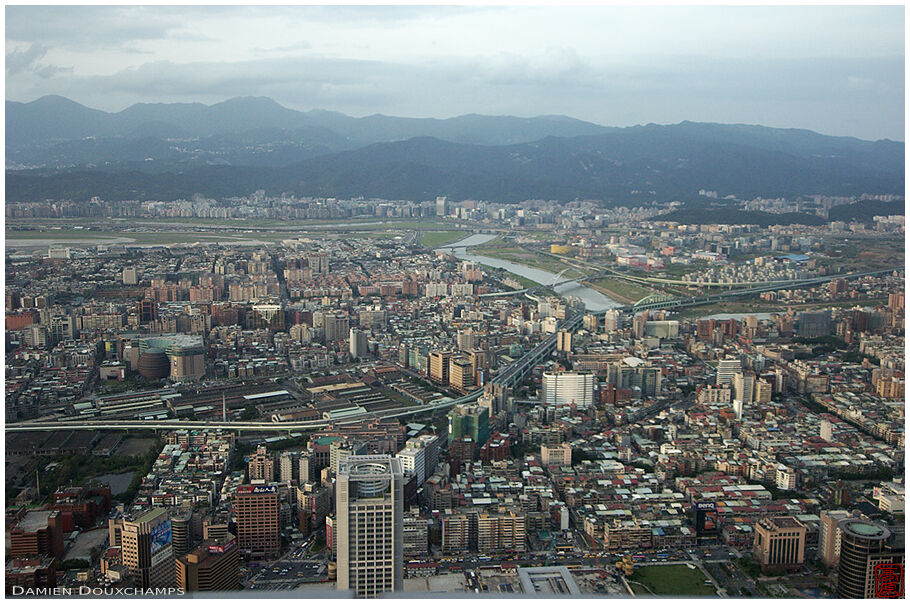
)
(509, 376)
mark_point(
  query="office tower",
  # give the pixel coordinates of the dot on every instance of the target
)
(415, 532)
(612, 320)
(319, 264)
(261, 465)
(147, 549)
(726, 370)
(638, 324)
(37, 533)
(256, 513)
(465, 339)
(556, 455)
(213, 566)
(337, 326)
(567, 388)
(564, 341)
(744, 387)
(762, 392)
(780, 543)
(590, 323)
(358, 343)
(442, 206)
(472, 421)
(182, 531)
(306, 467)
(288, 466)
(130, 277)
(439, 367)
(864, 548)
(461, 373)
(413, 461)
(147, 310)
(814, 324)
(370, 517)
(737, 409)
(829, 536)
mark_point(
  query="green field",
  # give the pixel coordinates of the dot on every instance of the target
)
(624, 291)
(673, 580)
(434, 239)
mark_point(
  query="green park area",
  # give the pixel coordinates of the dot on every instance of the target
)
(622, 290)
(434, 239)
(671, 580)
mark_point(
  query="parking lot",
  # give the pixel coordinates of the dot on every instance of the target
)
(285, 575)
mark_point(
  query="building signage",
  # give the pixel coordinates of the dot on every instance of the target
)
(160, 536)
(220, 548)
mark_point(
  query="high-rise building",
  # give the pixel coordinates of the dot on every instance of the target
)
(442, 206)
(147, 549)
(439, 367)
(306, 471)
(726, 370)
(415, 531)
(461, 373)
(369, 509)
(147, 310)
(288, 466)
(472, 421)
(258, 527)
(780, 543)
(213, 566)
(568, 387)
(556, 455)
(867, 549)
(130, 277)
(358, 343)
(744, 387)
(829, 536)
(182, 531)
(465, 339)
(814, 324)
(564, 341)
(261, 465)
(337, 327)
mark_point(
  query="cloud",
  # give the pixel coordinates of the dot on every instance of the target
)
(20, 61)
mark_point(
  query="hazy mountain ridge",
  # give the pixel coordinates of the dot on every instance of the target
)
(252, 145)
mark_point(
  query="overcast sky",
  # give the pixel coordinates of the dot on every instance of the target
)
(837, 70)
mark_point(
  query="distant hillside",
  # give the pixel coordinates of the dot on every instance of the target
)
(324, 154)
(865, 211)
(715, 215)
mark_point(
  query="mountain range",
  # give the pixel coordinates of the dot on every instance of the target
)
(57, 148)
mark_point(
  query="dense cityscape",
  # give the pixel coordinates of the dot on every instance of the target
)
(466, 301)
(404, 408)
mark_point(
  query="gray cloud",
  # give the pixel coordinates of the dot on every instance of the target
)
(19, 61)
(861, 95)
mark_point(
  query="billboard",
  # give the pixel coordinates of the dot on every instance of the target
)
(160, 536)
(706, 519)
(220, 548)
(257, 489)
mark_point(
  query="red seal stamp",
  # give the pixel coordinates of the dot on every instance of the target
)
(889, 580)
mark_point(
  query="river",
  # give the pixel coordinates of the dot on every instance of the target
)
(593, 299)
